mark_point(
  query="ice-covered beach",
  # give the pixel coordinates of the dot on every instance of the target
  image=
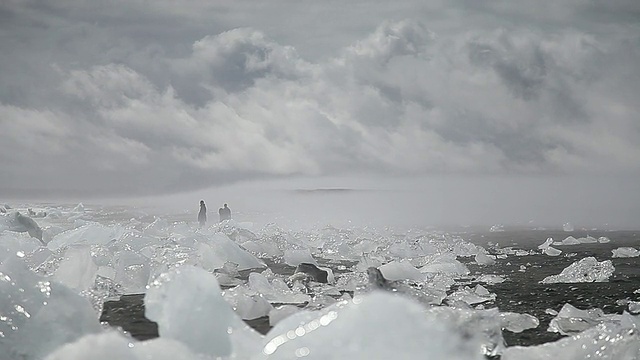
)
(382, 293)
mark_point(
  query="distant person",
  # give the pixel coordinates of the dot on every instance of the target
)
(202, 215)
(225, 213)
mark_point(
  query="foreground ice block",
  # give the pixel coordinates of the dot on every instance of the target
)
(585, 270)
(36, 315)
(618, 340)
(113, 345)
(77, 269)
(374, 326)
(188, 306)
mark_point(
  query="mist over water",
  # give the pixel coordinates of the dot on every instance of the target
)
(303, 203)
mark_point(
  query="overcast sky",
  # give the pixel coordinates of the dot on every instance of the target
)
(119, 97)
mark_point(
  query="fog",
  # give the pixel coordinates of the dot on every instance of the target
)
(439, 201)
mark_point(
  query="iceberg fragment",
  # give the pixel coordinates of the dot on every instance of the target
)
(585, 270)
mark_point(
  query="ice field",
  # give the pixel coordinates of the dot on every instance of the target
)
(382, 293)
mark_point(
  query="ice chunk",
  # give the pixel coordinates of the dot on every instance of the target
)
(625, 252)
(484, 325)
(516, 323)
(247, 304)
(36, 315)
(491, 279)
(585, 270)
(17, 222)
(484, 259)
(295, 257)
(89, 234)
(551, 251)
(261, 250)
(612, 340)
(401, 270)
(77, 269)
(567, 227)
(214, 329)
(546, 244)
(445, 264)
(113, 345)
(587, 240)
(472, 297)
(570, 240)
(603, 239)
(228, 250)
(281, 312)
(634, 307)
(348, 331)
(571, 320)
(276, 291)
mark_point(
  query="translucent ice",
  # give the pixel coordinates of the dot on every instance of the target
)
(445, 264)
(551, 251)
(347, 330)
(228, 250)
(247, 304)
(516, 323)
(36, 315)
(281, 312)
(546, 244)
(571, 320)
(618, 340)
(570, 240)
(625, 252)
(89, 234)
(296, 257)
(401, 270)
(484, 259)
(188, 306)
(472, 297)
(585, 270)
(276, 291)
(77, 269)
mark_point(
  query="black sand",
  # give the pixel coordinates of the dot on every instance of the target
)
(521, 293)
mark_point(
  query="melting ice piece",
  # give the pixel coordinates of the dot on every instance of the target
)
(551, 251)
(603, 240)
(491, 279)
(571, 320)
(585, 270)
(401, 270)
(445, 264)
(281, 312)
(17, 222)
(484, 325)
(484, 259)
(625, 252)
(247, 305)
(472, 297)
(113, 345)
(89, 234)
(77, 270)
(276, 291)
(517, 323)
(375, 326)
(546, 244)
(295, 257)
(36, 315)
(618, 340)
(224, 248)
(188, 306)
(570, 240)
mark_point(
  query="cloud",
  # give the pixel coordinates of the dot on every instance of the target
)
(405, 99)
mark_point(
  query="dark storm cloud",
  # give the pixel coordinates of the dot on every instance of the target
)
(137, 97)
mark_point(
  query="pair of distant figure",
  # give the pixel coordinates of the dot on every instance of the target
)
(224, 212)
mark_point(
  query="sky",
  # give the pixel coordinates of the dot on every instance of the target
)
(119, 98)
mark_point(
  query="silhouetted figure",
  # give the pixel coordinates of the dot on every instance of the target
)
(225, 213)
(202, 215)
